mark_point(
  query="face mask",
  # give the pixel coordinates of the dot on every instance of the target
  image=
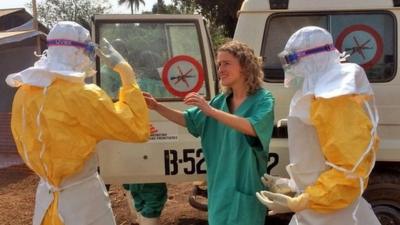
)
(89, 69)
(292, 80)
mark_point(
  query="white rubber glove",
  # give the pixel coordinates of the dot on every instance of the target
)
(277, 184)
(108, 54)
(116, 62)
(279, 203)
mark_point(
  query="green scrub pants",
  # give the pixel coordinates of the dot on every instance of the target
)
(149, 198)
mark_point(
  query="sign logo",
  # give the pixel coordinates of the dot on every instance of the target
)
(363, 43)
(182, 74)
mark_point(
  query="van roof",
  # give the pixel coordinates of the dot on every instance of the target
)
(311, 5)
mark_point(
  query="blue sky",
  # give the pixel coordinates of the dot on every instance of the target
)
(115, 7)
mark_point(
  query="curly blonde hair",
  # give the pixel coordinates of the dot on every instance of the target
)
(249, 63)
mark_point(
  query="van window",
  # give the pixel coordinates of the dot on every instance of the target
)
(150, 47)
(368, 38)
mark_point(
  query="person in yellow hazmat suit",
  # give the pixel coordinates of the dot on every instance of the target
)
(57, 120)
(332, 128)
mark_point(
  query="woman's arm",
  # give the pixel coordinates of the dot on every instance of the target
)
(236, 122)
(173, 115)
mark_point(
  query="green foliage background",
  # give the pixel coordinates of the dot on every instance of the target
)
(221, 15)
(51, 11)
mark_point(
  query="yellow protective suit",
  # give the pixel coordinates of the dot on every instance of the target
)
(332, 129)
(344, 135)
(56, 128)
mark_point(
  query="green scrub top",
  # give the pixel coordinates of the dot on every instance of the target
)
(235, 161)
(110, 81)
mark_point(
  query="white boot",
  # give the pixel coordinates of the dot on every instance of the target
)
(149, 221)
(134, 216)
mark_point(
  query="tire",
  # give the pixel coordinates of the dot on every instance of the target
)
(383, 193)
(198, 198)
(279, 219)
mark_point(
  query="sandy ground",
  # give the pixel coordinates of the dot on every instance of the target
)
(17, 196)
(17, 193)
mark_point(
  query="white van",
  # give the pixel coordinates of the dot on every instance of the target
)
(366, 29)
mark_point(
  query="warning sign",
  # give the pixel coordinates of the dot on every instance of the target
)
(182, 74)
(363, 43)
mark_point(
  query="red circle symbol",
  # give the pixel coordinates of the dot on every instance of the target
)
(362, 42)
(182, 74)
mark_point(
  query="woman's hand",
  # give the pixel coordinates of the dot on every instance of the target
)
(236, 122)
(195, 99)
(151, 102)
(171, 114)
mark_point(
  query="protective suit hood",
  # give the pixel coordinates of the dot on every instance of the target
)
(322, 73)
(58, 61)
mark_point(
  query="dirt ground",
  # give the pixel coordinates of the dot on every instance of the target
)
(17, 196)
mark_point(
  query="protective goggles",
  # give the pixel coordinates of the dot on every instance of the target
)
(291, 58)
(88, 47)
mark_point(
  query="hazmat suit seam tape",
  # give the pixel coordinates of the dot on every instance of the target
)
(372, 140)
(351, 173)
(375, 118)
(23, 115)
(289, 171)
(43, 148)
(354, 213)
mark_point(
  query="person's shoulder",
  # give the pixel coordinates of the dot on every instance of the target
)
(263, 93)
(88, 90)
(263, 98)
(92, 89)
(353, 68)
(218, 99)
(351, 65)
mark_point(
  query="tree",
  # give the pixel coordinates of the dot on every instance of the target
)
(160, 8)
(177, 7)
(80, 11)
(186, 7)
(224, 13)
(218, 31)
(131, 3)
(221, 13)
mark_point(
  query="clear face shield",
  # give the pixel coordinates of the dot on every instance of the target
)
(288, 59)
(88, 46)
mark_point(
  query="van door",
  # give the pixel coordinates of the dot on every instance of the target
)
(171, 56)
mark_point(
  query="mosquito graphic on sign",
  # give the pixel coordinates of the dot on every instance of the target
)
(182, 74)
(363, 43)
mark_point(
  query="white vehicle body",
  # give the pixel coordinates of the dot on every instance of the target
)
(255, 18)
(367, 29)
(171, 154)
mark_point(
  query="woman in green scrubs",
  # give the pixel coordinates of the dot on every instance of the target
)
(235, 129)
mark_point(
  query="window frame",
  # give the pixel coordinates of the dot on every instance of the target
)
(279, 72)
(124, 20)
